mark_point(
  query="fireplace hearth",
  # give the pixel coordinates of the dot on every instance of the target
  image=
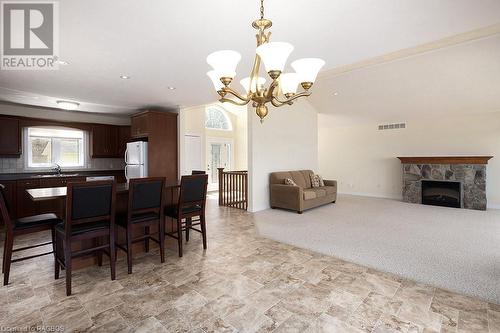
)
(441, 193)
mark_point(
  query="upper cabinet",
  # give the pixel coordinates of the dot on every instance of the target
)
(160, 130)
(123, 139)
(10, 136)
(140, 125)
(108, 141)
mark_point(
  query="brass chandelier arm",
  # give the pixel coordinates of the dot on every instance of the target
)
(277, 103)
(228, 100)
(291, 99)
(272, 88)
(237, 95)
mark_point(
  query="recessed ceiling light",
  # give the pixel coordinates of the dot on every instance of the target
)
(171, 88)
(335, 93)
(67, 105)
(125, 77)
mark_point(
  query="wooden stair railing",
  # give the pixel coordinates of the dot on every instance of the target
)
(233, 189)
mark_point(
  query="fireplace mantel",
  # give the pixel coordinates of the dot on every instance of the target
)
(446, 160)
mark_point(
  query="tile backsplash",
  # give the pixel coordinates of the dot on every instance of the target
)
(17, 165)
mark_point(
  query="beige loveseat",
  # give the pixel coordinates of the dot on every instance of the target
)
(302, 196)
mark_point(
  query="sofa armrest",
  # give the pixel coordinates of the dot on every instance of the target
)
(330, 183)
(286, 196)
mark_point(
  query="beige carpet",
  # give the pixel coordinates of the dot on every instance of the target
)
(450, 248)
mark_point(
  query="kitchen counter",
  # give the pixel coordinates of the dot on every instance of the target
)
(45, 175)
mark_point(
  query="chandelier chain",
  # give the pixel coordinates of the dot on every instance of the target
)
(261, 9)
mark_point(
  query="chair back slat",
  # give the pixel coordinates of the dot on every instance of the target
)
(193, 190)
(146, 195)
(88, 202)
(4, 209)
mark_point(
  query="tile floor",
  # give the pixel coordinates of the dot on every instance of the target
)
(242, 283)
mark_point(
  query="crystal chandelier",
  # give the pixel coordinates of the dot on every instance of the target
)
(283, 87)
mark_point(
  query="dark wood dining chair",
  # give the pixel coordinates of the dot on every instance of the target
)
(90, 215)
(191, 204)
(23, 226)
(198, 172)
(145, 209)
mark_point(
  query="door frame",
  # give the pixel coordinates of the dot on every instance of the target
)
(214, 139)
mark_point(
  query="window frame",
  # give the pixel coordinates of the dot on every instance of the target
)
(224, 114)
(28, 150)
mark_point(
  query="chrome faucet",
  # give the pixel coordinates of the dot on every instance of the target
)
(57, 169)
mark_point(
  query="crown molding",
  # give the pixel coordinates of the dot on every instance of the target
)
(416, 50)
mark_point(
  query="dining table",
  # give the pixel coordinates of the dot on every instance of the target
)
(53, 193)
(58, 194)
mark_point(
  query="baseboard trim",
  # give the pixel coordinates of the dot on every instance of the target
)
(373, 195)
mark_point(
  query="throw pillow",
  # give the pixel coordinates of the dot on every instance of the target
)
(321, 182)
(316, 181)
(289, 181)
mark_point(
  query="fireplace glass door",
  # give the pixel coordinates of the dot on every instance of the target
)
(441, 193)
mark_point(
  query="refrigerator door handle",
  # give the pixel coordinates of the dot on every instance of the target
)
(126, 175)
(126, 155)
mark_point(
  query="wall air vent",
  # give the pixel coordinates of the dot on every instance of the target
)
(391, 126)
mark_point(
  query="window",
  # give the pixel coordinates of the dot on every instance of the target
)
(48, 146)
(216, 118)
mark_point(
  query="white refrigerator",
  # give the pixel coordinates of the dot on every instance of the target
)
(136, 160)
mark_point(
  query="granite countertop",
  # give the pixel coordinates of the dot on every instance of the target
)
(43, 175)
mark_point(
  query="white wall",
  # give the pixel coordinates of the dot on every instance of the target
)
(62, 115)
(287, 140)
(363, 159)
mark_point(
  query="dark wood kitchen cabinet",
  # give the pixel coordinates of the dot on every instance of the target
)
(10, 136)
(123, 138)
(108, 141)
(103, 141)
(26, 206)
(140, 125)
(159, 129)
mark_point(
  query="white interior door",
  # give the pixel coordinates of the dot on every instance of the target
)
(219, 155)
(194, 159)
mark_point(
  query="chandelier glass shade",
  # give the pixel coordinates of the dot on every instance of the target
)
(274, 55)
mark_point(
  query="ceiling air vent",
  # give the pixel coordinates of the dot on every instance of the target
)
(391, 126)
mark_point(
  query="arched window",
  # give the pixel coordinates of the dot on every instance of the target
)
(216, 118)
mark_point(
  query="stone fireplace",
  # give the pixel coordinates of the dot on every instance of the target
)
(466, 172)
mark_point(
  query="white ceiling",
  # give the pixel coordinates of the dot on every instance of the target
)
(461, 79)
(162, 43)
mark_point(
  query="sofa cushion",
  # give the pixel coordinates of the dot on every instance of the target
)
(299, 179)
(279, 177)
(320, 192)
(330, 189)
(309, 194)
(307, 176)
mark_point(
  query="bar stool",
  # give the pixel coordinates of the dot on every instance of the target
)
(191, 203)
(145, 209)
(90, 215)
(23, 226)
